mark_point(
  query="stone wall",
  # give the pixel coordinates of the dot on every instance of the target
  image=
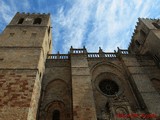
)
(56, 90)
(141, 69)
(17, 94)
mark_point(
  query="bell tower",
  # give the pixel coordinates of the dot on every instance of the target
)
(145, 39)
(24, 45)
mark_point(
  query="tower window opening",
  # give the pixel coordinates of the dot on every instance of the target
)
(11, 34)
(156, 25)
(137, 43)
(37, 21)
(107, 107)
(142, 33)
(56, 115)
(21, 21)
(48, 31)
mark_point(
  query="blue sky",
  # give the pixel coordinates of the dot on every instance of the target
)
(94, 23)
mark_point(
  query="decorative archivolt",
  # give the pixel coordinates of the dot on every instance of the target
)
(57, 79)
(106, 67)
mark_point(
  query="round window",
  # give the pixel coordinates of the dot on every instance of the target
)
(108, 87)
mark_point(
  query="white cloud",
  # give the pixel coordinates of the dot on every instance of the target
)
(8, 10)
(113, 22)
(74, 22)
(5, 12)
(94, 23)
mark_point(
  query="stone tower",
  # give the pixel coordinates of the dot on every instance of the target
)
(24, 45)
(80, 85)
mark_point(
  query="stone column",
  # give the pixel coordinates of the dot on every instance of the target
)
(82, 92)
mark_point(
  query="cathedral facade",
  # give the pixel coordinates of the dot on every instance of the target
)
(38, 85)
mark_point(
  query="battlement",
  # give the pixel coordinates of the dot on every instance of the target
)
(30, 19)
(24, 13)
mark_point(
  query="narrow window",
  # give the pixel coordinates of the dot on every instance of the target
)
(107, 108)
(10, 37)
(56, 115)
(40, 75)
(21, 21)
(24, 32)
(156, 25)
(137, 43)
(33, 35)
(37, 21)
(1, 59)
(11, 34)
(142, 33)
(48, 30)
(50, 44)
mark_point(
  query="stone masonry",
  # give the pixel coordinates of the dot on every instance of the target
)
(35, 84)
(24, 45)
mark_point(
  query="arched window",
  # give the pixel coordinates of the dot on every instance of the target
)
(56, 115)
(156, 25)
(21, 21)
(156, 84)
(48, 30)
(107, 108)
(37, 21)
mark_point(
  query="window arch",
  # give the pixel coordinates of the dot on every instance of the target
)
(156, 84)
(20, 20)
(56, 115)
(37, 21)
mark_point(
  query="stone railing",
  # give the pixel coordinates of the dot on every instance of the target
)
(78, 51)
(110, 55)
(82, 51)
(93, 55)
(58, 56)
(102, 55)
(123, 52)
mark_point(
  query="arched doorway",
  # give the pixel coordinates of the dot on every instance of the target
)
(56, 115)
(55, 111)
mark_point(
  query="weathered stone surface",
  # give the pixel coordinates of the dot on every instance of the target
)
(34, 86)
(22, 66)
